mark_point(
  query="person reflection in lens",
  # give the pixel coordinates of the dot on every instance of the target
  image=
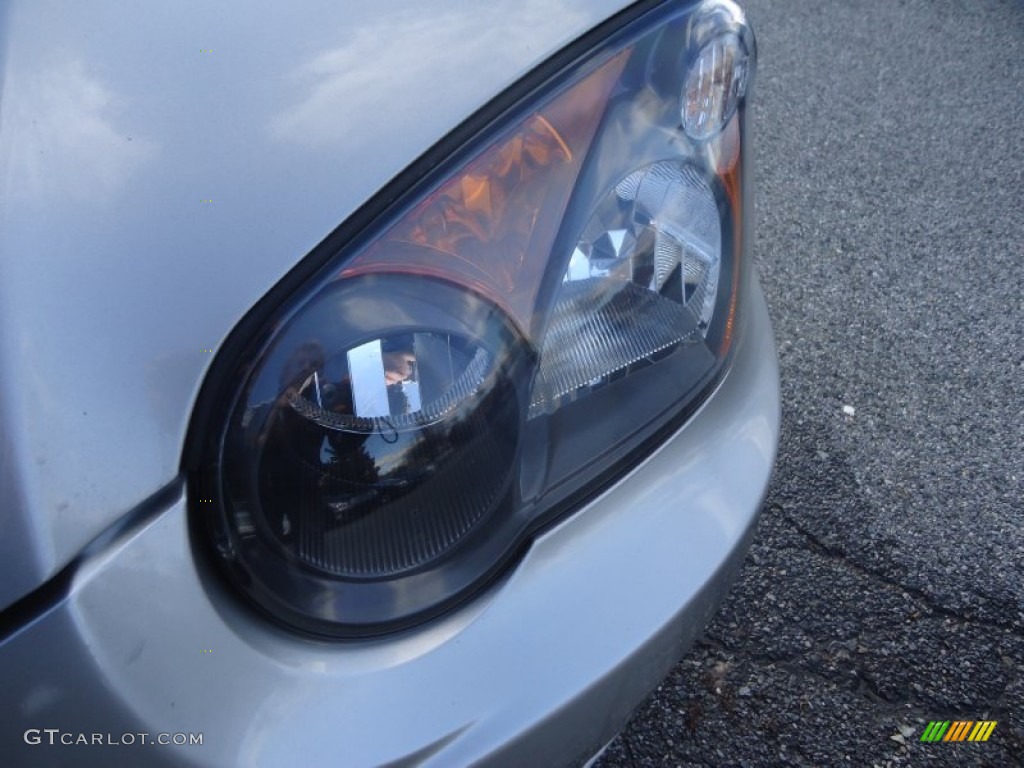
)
(399, 360)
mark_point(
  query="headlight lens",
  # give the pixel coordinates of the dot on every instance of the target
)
(494, 347)
(714, 86)
(642, 279)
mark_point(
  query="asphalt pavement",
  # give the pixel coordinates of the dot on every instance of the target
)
(885, 587)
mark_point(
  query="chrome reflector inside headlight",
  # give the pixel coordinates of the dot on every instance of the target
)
(493, 344)
(642, 279)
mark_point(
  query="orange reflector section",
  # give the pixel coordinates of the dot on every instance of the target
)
(491, 225)
(727, 156)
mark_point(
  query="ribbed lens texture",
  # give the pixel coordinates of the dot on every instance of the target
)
(601, 327)
(355, 522)
(642, 279)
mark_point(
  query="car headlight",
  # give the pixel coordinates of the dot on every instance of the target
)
(507, 335)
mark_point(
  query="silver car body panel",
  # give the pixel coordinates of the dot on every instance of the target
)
(162, 166)
(542, 669)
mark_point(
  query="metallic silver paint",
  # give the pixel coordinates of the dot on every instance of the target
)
(124, 651)
(117, 121)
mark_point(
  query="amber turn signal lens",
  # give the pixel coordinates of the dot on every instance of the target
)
(505, 204)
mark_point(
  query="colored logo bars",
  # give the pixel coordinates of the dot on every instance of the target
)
(958, 730)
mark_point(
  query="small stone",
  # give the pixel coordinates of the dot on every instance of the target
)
(849, 410)
(906, 730)
(745, 691)
(898, 737)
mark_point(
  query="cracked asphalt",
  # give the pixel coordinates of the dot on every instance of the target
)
(885, 586)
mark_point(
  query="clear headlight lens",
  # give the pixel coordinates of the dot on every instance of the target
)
(499, 343)
(642, 279)
(714, 86)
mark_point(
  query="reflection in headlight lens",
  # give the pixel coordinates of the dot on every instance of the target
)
(386, 455)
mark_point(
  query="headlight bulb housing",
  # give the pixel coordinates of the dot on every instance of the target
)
(499, 340)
